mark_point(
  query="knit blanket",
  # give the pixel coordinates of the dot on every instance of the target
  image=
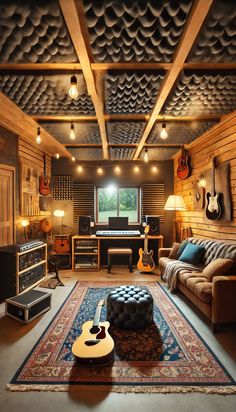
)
(172, 270)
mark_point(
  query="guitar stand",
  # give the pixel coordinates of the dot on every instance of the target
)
(53, 263)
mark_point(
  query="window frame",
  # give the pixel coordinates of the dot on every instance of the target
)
(118, 188)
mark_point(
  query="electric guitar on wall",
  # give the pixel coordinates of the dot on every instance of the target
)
(146, 262)
(183, 169)
(44, 181)
(94, 346)
(213, 208)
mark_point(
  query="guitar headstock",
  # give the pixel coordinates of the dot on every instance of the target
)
(146, 230)
(214, 162)
(101, 302)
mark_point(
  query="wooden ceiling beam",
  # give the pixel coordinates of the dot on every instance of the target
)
(71, 67)
(19, 123)
(147, 145)
(194, 22)
(131, 117)
(72, 13)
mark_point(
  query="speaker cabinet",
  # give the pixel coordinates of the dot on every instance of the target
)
(154, 224)
(84, 225)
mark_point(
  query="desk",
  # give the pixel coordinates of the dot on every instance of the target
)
(86, 249)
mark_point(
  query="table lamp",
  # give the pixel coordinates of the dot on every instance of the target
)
(59, 213)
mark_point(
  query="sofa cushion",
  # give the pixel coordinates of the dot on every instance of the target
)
(174, 251)
(181, 248)
(203, 290)
(217, 267)
(185, 275)
(192, 254)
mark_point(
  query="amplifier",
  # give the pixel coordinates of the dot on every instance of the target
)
(21, 247)
(28, 305)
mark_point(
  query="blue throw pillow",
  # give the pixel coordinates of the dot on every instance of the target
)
(182, 247)
(192, 254)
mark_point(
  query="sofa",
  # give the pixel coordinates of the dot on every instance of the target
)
(209, 281)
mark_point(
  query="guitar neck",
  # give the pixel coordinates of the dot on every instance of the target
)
(97, 316)
(145, 244)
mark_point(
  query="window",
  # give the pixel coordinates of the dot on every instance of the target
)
(112, 201)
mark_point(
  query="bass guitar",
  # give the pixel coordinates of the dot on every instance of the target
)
(146, 262)
(94, 346)
(44, 181)
(213, 208)
(183, 169)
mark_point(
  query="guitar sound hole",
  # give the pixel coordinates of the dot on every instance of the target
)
(95, 329)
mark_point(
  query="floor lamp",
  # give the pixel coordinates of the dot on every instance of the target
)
(174, 202)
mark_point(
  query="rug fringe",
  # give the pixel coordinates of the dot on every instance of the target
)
(219, 390)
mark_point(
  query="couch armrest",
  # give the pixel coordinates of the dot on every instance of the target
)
(224, 299)
(163, 252)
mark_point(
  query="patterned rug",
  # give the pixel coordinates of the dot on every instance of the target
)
(169, 356)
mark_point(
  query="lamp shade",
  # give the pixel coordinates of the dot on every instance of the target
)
(58, 213)
(175, 202)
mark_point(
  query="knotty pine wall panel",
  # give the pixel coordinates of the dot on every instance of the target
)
(220, 141)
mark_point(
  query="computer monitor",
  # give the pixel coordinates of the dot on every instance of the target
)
(118, 223)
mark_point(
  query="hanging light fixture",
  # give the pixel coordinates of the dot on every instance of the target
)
(72, 132)
(73, 159)
(163, 133)
(73, 92)
(38, 137)
(145, 158)
(57, 156)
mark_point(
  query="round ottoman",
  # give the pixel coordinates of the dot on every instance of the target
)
(130, 307)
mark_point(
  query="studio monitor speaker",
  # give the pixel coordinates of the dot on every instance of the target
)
(84, 225)
(154, 224)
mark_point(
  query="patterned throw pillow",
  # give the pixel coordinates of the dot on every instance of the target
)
(174, 251)
(217, 267)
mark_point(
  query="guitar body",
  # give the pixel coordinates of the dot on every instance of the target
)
(213, 209)
(183, 169)
(44, 186)
(94, 346)
(61, 244)
(146, 262)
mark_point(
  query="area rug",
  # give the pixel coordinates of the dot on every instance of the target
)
(169, 356)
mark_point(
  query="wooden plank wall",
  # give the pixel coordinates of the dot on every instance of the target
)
(34, 155)
(220, 141)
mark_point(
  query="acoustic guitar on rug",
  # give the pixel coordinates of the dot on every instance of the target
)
(94, 346)
(183, 169)
(146, 262)
(44, 181)
(214, 199)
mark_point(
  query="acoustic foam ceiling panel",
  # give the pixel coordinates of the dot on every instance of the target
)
(124, 132)
(122, 153)
(202, 93)
(84, 132)
(46, 94)
(34, 32)
(216, 41)
(179, 132)
(90, 153)
(160, 153)
(131, 92)
(135, 31)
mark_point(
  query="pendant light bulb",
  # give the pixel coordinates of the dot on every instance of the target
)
(38, 138)
(73, 159)
(146, 159)
(57, 156)
(73, 92)
(163, 133)
(72, 132)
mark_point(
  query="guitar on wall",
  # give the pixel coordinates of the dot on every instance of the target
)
(214, 199)
(183, 169)
(94, 346)
(146, 262)
(44, 181)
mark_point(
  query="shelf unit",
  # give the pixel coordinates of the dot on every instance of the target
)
(22, 270)
(85, 253)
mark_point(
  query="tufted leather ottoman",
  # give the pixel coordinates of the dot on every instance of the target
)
(130, 307)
